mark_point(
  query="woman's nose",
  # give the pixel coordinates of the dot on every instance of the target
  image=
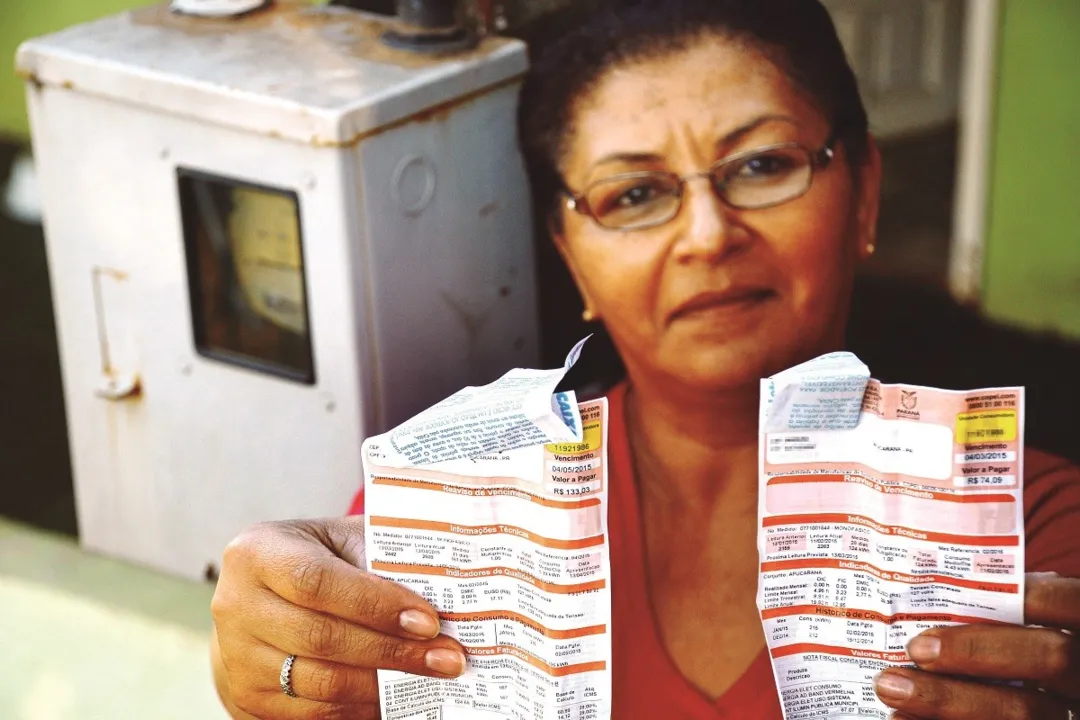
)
(707, 230)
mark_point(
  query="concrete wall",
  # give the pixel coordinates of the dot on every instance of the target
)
(1032, 270)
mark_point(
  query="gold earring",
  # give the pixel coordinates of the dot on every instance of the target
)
(870, 248)
(588, 316)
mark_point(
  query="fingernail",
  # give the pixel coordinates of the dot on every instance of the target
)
(924, 649)
(419, 624)
(894, 687)
(445, 662)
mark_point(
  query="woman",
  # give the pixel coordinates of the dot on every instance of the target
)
(712, 264)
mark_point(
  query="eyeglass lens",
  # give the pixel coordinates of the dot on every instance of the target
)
(757, 180)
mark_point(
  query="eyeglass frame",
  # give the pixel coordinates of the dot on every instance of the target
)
(819, 160)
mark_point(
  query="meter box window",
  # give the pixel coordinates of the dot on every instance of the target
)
(245, 261)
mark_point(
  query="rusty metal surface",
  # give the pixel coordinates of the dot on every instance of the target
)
(312, 30)
(115, 383)
(317, 74)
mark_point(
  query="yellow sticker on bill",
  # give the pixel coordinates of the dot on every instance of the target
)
(986, 426)
(592, 438)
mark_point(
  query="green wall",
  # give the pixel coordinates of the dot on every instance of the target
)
(24, 19)
(1032, 264)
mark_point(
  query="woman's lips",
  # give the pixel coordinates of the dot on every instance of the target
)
(735, 300)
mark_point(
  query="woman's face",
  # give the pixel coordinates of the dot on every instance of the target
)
(717, 298)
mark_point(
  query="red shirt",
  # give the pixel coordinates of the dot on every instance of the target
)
(645, 681)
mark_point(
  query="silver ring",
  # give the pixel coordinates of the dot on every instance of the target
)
(286, 676)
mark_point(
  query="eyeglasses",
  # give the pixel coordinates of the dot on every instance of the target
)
(752, 180)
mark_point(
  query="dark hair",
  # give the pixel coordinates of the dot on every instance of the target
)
(571, 50)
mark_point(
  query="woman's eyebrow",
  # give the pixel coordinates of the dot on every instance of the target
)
(729, 139)
(628, 158)
(743, 130)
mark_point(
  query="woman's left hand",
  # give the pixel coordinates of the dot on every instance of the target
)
(952, 660)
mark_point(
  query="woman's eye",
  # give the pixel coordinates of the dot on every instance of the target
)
(628, 200)
(634, 196)
(762, 166)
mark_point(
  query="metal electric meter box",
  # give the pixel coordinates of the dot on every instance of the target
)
(270, 235)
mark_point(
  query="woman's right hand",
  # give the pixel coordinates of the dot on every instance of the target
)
(296, 588)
